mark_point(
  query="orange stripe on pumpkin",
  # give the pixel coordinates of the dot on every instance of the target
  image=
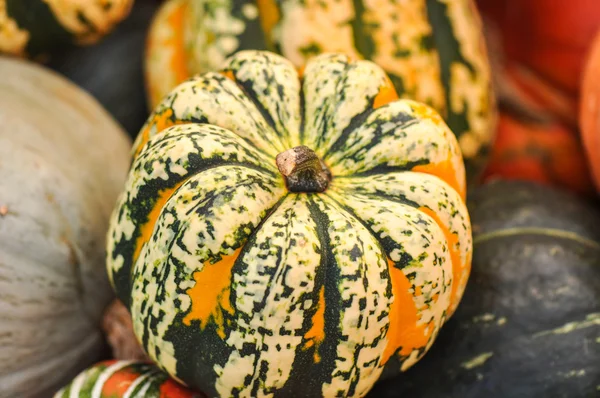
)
(316, 334)
(301, 70)
(228, 74)
(444, 170)
(387, 93)
(457, 265)
(178, 61)
(170, 389)
(159, 122)
(210, 294)
(172, 15)
(404, 333)
(269, 16)
(147, 228)
(118, 383)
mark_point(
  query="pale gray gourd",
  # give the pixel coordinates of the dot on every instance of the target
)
(63, 161)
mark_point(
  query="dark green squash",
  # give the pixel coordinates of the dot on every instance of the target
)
(112, 70)
(529, 323)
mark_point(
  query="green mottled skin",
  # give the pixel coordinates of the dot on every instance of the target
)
(303, 300)
(432, 50)
(124, 379)
(34, 27)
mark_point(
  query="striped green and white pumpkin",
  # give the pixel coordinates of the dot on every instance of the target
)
(290, 236)
(31, 27)
(124, 379)
(432, 50)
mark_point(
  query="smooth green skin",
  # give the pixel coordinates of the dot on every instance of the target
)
(63, 160)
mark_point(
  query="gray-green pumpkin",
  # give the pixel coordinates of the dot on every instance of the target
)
(62, 162)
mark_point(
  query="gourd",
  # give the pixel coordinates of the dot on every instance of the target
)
(589, 112)
(529, 322)
(34, 27)
(278, 233)
(112, 70)
(545, 36)
(433, 51)
(120, 379)
(540, 150)
(537, 137)
(63, 161)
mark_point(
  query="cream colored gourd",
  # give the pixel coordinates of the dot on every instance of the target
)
(63, 160)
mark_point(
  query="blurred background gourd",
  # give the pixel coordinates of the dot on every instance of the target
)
(538, 52)
(63, 161)
(433, 51)
(112, 70)
(118, 379)
(589, 112)
(35, 27)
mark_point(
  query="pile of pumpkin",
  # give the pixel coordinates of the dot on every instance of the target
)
(292, 217)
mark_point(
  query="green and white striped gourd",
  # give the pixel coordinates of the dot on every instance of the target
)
(432, 50)
(31, 27)
(124, 379)
(290, 235)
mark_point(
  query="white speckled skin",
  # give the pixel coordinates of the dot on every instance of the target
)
(433, 50)
(238, 286)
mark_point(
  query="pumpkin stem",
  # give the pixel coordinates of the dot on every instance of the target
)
(303, 170)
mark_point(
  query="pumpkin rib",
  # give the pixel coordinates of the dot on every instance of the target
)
(334, 307)
(269, 13)
(172, 256)
(467, 98)
(385, 95)
(184, 147)
(320, 106)
(164, 52)
(452, 206)
(398, 136)
(215, 32)
(249, 93)
(356, 122)
(261, 163)
(272, 84)
(139, 240)
(407, 359)
(337, 104)
(216, 100)
(282, 306)
(553, 232)
(420, 191)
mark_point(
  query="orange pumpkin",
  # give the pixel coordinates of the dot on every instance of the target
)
(548, 36)
(589, 115)
(542, 151)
